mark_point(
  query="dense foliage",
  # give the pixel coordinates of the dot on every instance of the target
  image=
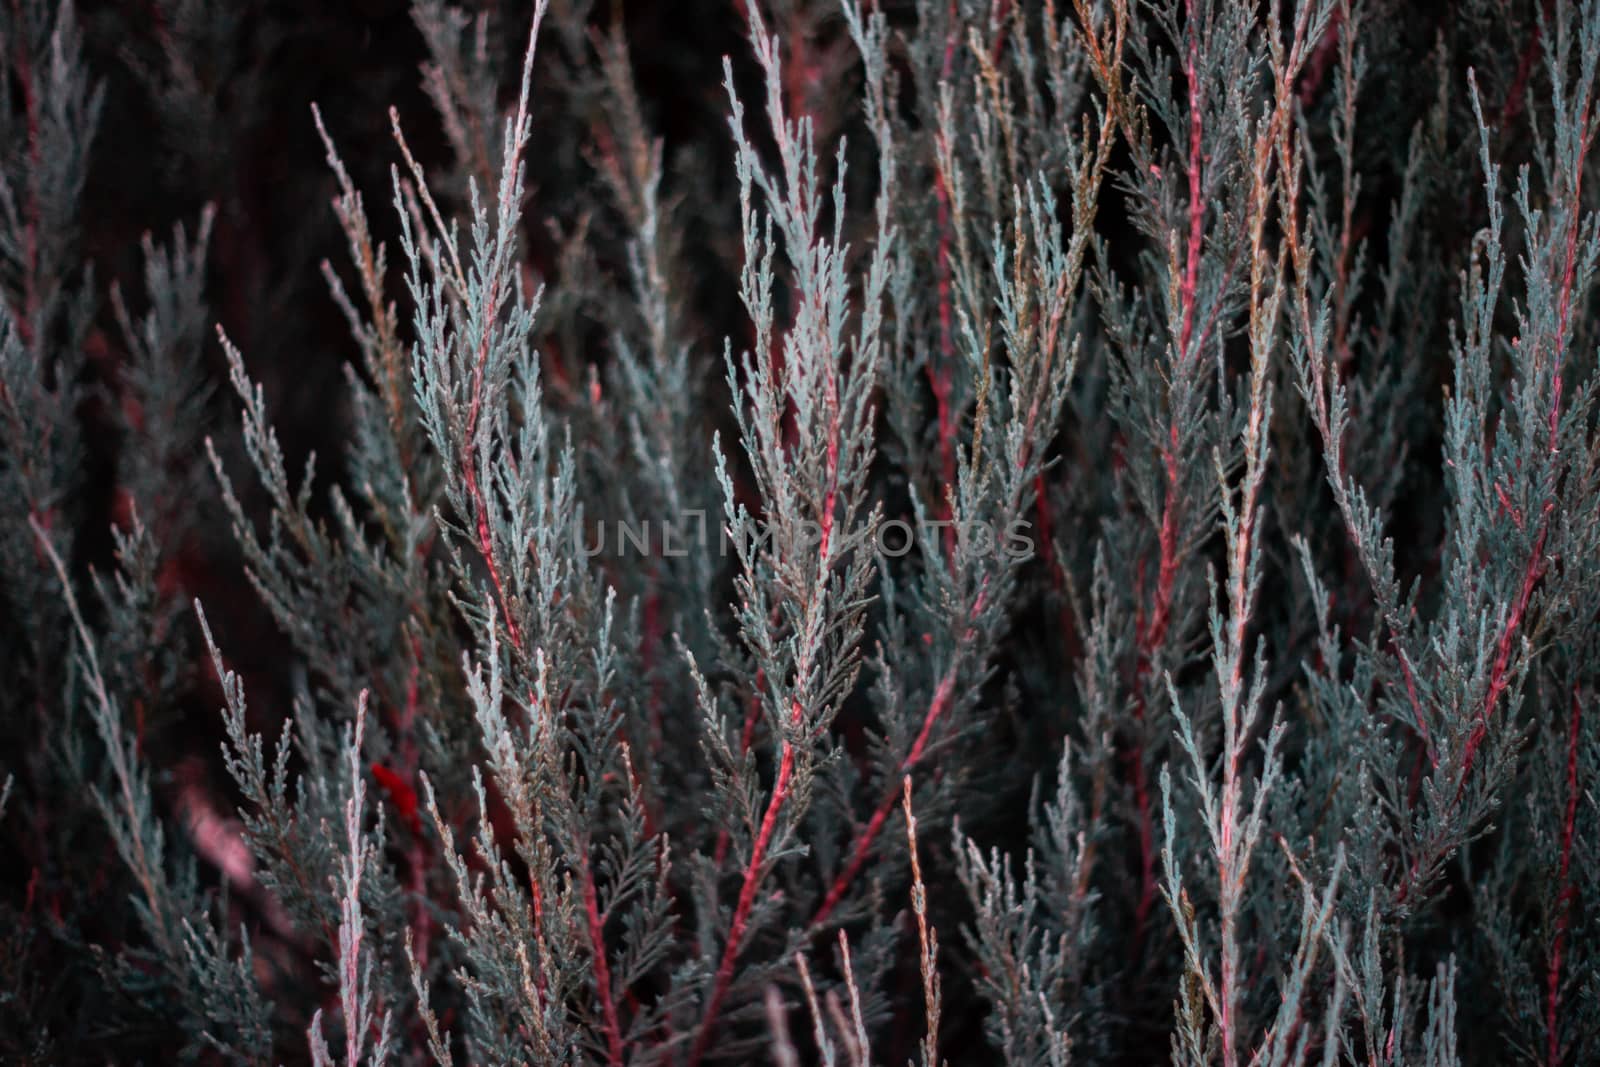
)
(965, 531)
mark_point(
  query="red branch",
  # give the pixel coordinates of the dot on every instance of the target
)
(863, 845)
(1154, 634)
(1565, 894)
(1416, 702)
(824, 542)
(747, 898)
(1498, 680)
(1151, 639)
(1535, 568)
(486, 549)
(1502, 656)
(780, 789)
(470, 469)
(597, 944)
(602, 968)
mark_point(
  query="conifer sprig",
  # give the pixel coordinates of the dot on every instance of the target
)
(1153, 454)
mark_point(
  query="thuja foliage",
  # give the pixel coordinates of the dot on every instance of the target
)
(1029, 533)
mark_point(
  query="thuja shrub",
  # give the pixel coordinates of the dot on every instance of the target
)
(1028, 533)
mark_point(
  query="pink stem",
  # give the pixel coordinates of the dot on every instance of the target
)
(863, 845)
(747, 898)
(602, 969)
